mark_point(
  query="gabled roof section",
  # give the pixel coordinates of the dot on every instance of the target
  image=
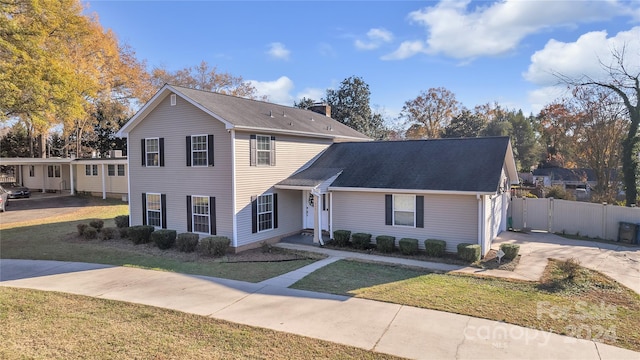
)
(246, 114)
(441, 165)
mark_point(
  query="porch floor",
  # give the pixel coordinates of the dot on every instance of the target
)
(304, 238)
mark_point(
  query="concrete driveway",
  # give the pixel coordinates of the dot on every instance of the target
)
(621, 263)
(40, 206)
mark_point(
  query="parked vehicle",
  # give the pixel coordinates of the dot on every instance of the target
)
(4, 198)
(16, 191)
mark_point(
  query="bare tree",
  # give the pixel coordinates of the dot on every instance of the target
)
(430, 113)
(625, 83)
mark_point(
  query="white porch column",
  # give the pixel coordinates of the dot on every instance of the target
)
(317, 227)
(44, 178)
(104, 182)
(71, 176)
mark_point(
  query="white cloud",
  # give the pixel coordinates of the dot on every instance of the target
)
(311, 93)
(584, 56)
(405, 50)
(325, 49)
(277, 91)
(278, 51)
(375, 38)
(456, 30)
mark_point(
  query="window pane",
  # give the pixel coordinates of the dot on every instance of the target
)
(87, 170)
(403, 218)
(200, 158)
(264, 143)
(121, 170)
(152, 159)
(264, 158)
(111, 170)
(152, 145)
(201, 224)
(264, 221)
(199, 143)
(404, 202)
(95, 170)
(153, 218)
(153, 202)
(265, 212)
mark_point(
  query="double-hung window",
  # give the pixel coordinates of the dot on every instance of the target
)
(154, 210)
(264, 149)
(404, 210)
(199, 150)
(53, 171)
(120, 169)
(152, 152)
(265, 212)
(91, 170)
(200, 214)
(111, 170)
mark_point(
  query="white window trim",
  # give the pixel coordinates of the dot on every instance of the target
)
(193, 214)
(393, 211)
(91, 167)
(146, 158)
(258, 212)
(258, 151)
(206, 150)
(147, 209)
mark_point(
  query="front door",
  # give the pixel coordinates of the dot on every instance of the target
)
(309, 210)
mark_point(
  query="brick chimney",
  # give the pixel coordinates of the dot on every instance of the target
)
(321, 108)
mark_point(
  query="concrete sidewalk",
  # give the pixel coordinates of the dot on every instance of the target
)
(388, 328)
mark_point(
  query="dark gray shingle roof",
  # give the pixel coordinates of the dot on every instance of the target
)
(254, 114)
(468, 165)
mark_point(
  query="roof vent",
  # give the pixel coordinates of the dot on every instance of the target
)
(270, 113)
(173, 99)
(291, 123)
(312, 119)
(283, 114)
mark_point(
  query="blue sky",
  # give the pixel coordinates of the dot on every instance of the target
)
(483, 51)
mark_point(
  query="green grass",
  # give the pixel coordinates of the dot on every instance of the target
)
(50, 325)
(591, 301)
(54, 239)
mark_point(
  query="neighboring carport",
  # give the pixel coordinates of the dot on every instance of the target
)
(47, 174)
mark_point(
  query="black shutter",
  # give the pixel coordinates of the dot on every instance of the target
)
(210, 149)
(163, 210)
(254, 214)
(388, 209)
(189, 215)
(419, 211)
(161, 144)
(273, 151)
(188, 150)
(253, 147)
(212, 216)
(143, 152)
(275, 211)
(144, 208)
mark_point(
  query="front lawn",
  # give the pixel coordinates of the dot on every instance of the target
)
(590, 305)
(50, 325)
(56, 238)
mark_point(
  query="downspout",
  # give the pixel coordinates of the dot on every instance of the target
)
(129, 180)
(480, 223)
(234, 216)
(330, 214)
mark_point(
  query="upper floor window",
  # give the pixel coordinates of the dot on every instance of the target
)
(120, 169)
(263, 150)
(53, 171)
(200, 150)
(152, 152)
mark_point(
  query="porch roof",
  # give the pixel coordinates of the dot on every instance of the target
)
(309, 178)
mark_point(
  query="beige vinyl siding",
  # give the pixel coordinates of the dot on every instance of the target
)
(42, 180)
(291, 153)
(175, 179)
(113, 184)
(453, 218)
(35, 182)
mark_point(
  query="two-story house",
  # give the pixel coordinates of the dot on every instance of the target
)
(254, 171)
(207, 163)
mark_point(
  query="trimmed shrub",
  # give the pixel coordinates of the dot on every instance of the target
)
(408, 246)
(385, 243)
(122, 221)
(510, 250)
(361, 240)
(187, 242)
(123, 232)
(214, 245)
(108, 233)
(164, 239)
(90, 233)
(341, 237)
(469, 252)
(570, 268)
(140, 234)
(96, 224)
(81, 228)
(434, 247)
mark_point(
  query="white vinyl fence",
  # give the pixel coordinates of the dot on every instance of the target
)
(571, 217)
